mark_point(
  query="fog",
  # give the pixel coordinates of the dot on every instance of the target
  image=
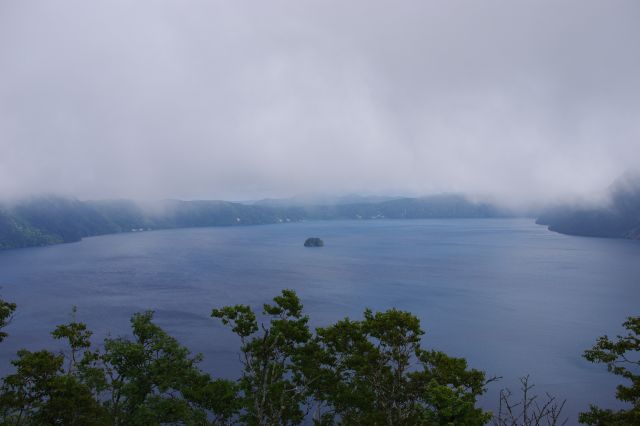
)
(524, 102)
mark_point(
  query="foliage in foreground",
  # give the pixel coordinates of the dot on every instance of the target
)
(622, 358)
(150, 379)
(6, 311)
(370, 371)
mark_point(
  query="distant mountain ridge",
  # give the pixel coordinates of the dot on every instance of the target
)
(619, 218)
(51, 220)
(47, 220)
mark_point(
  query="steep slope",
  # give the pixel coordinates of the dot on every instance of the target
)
(619, 218)
(16, 233)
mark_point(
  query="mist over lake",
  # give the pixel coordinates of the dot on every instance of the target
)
(508, 295)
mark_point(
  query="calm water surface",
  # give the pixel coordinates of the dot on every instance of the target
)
(510, 296)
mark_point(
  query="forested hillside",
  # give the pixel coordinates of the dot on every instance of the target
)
(50, 220)
(618, 218)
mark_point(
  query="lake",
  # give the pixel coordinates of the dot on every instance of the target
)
(510, 296)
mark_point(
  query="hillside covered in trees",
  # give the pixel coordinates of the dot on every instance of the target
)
(619, 217)
(50, 220)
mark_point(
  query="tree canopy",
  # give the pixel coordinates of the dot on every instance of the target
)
(372, 370)
(622, 358)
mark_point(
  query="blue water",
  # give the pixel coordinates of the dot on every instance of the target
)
(510, 296)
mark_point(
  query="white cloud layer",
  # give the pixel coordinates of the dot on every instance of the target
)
(526, 101)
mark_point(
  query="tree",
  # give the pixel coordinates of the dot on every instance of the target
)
(376, 372)
(41, 392)
(150, 380)
(353, 372)
(274, 387)
(529, 409)
(373, 371)
(621, 356)
(6, 312)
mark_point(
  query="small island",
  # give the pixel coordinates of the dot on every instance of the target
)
(314, 242)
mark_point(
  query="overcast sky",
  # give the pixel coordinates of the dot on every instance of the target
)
(523, 100)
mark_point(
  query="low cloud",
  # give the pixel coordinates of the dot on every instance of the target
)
(525, 102)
